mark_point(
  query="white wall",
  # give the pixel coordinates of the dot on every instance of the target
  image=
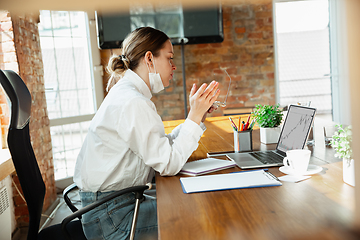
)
(339, 62)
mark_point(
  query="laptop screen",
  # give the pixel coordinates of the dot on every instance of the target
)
(296, 128)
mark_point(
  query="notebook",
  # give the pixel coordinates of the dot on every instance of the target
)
(205, 166)
(294, 134)
(244, 179)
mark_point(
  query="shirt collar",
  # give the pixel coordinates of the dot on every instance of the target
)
(138, 82)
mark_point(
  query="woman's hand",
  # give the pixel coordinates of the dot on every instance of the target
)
(202, 100)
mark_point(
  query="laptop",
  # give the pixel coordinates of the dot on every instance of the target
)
(294, 135)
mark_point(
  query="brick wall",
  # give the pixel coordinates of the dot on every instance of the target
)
(8, 60)
(20, 51)
(246, 53)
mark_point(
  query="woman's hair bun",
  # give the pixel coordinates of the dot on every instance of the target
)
(116, 67)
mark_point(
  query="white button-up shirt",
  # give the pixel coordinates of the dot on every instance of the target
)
(126, 141)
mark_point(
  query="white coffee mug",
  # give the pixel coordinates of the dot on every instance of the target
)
(297, 160)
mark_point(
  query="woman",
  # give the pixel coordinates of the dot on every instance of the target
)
(126, 141)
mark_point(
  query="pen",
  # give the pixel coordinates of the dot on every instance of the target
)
(272, 175)
(252, 124)
(243, 125)
(233, 124)
(247, 123)
(239, 122)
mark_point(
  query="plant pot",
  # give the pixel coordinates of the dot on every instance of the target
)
(269, 135)
(349, 171)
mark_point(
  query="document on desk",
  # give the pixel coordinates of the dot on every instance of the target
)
(243, 179)
(205, 166)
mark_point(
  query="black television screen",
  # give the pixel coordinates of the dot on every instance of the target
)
(181, 25)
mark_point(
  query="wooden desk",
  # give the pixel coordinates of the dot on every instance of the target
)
(285, 212)
(6, 164)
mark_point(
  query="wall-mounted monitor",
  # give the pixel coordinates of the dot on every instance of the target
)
(183, 26)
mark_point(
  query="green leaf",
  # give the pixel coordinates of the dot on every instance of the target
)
(341, 142)
(267, 116)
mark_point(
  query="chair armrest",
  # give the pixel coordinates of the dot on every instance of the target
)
(67, 199)
(138, 190)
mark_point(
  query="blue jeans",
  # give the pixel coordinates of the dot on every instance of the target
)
(112, 220)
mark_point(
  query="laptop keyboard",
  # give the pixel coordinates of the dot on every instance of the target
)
(267, 157)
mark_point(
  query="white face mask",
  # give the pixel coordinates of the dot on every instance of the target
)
(156, 83)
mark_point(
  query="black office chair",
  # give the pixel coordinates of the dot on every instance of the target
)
(29, 174)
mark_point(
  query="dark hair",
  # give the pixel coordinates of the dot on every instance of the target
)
(134, 47)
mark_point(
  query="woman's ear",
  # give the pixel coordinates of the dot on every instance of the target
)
(148, 58)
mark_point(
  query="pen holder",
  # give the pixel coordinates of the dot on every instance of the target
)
(243, 141)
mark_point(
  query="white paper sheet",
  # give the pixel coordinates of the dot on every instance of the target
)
(244, 179)
(205, 166)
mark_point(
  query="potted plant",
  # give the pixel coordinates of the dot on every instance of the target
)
(341, 142)
(269, 119)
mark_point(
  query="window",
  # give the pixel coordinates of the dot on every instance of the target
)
(69, 83)
(303, 53)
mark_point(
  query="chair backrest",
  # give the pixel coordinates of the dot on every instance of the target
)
(21, 150)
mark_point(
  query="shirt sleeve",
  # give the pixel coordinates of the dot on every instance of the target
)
(175, 132)
(142, 129)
